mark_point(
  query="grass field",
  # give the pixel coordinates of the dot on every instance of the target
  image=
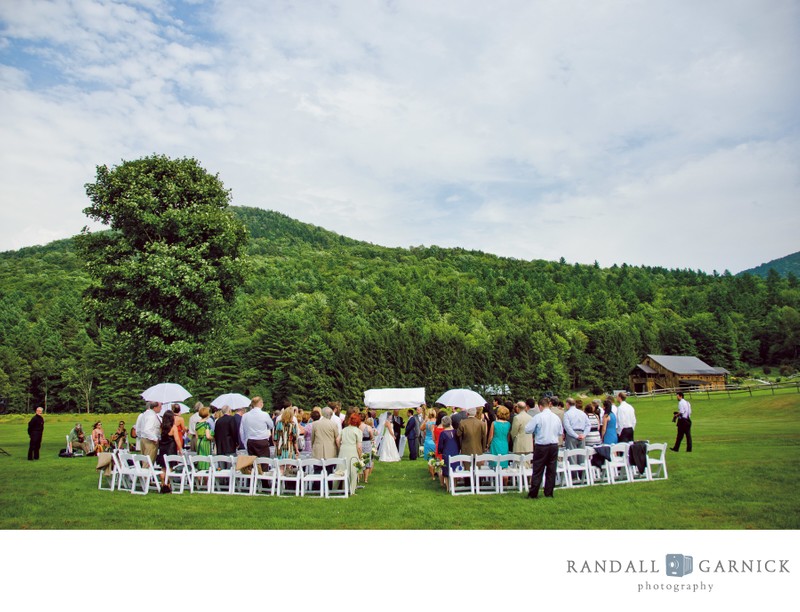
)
(740, 476)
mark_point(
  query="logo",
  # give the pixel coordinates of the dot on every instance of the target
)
(679, 565)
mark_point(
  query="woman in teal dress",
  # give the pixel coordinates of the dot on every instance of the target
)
(609, 424)
(204, 436)
(429, 445)
(498, 435)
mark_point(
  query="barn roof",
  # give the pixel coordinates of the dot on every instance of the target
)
(684, 364)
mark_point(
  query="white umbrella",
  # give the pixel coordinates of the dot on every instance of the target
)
(165, 393)
(233, 400)
(461, 398)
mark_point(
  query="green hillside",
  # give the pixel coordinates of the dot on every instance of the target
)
(783, 266)
(323, 317)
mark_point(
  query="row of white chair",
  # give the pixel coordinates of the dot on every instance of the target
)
(481, 474)
(218, 474)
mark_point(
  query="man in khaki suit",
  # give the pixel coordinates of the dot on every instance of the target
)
(324, 437)
(472, 434)
(522, 442)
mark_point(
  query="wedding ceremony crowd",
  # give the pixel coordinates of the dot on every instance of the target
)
(533, 429)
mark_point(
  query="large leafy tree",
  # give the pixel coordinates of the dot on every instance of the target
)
(166, 272)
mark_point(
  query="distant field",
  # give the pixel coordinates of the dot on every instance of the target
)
(741, 475)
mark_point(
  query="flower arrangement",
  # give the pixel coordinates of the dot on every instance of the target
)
(359, 464)
(435, 463)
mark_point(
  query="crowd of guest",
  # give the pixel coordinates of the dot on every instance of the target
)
(289, 432)
(285, 433)
(499, 428)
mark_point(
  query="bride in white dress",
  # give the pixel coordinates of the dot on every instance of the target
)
(388, 450)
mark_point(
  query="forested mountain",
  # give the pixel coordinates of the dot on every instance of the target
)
(783, 266)
(322, 317)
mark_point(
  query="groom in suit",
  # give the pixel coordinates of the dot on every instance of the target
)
(397, 426)
(412, 435)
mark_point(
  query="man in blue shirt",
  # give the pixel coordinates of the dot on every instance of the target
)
(546, 428)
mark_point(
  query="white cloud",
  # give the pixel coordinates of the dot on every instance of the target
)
(489, 126)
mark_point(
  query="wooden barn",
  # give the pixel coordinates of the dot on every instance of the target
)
(675, 371)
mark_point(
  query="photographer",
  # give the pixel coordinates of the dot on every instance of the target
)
(684, 421)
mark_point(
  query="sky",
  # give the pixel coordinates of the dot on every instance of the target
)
(658, 133)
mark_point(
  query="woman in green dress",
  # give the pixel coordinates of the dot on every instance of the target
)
(204, 436)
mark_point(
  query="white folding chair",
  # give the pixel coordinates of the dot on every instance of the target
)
(485, 473)
(636, 475)
(242, 483)
(460, 475)
(526, 469)
(337, 470)
(657, 457)
(222, 467)
(108, 477)
(577, 466)
(144, 474)
(176, 473)
(602, 474)
(313, 474)
(513, 473)
(619, 470)
(264, 473)
(200, 475)
(289, 471)
(125, 472)
(561, 470)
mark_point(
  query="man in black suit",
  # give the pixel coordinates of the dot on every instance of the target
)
(237, 416)
(412, 435)
(226, 433)
(35, 431)
(397, 425)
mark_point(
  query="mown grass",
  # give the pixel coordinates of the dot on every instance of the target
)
(740, 476)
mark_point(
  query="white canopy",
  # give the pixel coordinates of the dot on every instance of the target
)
(392, 399)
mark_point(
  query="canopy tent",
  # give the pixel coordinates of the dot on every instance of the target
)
(394, 399)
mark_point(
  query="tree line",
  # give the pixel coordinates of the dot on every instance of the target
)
(315, 316)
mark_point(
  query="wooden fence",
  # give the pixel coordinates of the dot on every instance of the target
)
(730, 390)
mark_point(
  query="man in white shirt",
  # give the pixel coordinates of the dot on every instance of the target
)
(626, 418)
(683, 418)
(546, 428)
(256, 429)
(149, 430)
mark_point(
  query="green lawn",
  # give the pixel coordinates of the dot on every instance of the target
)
(740, 476)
